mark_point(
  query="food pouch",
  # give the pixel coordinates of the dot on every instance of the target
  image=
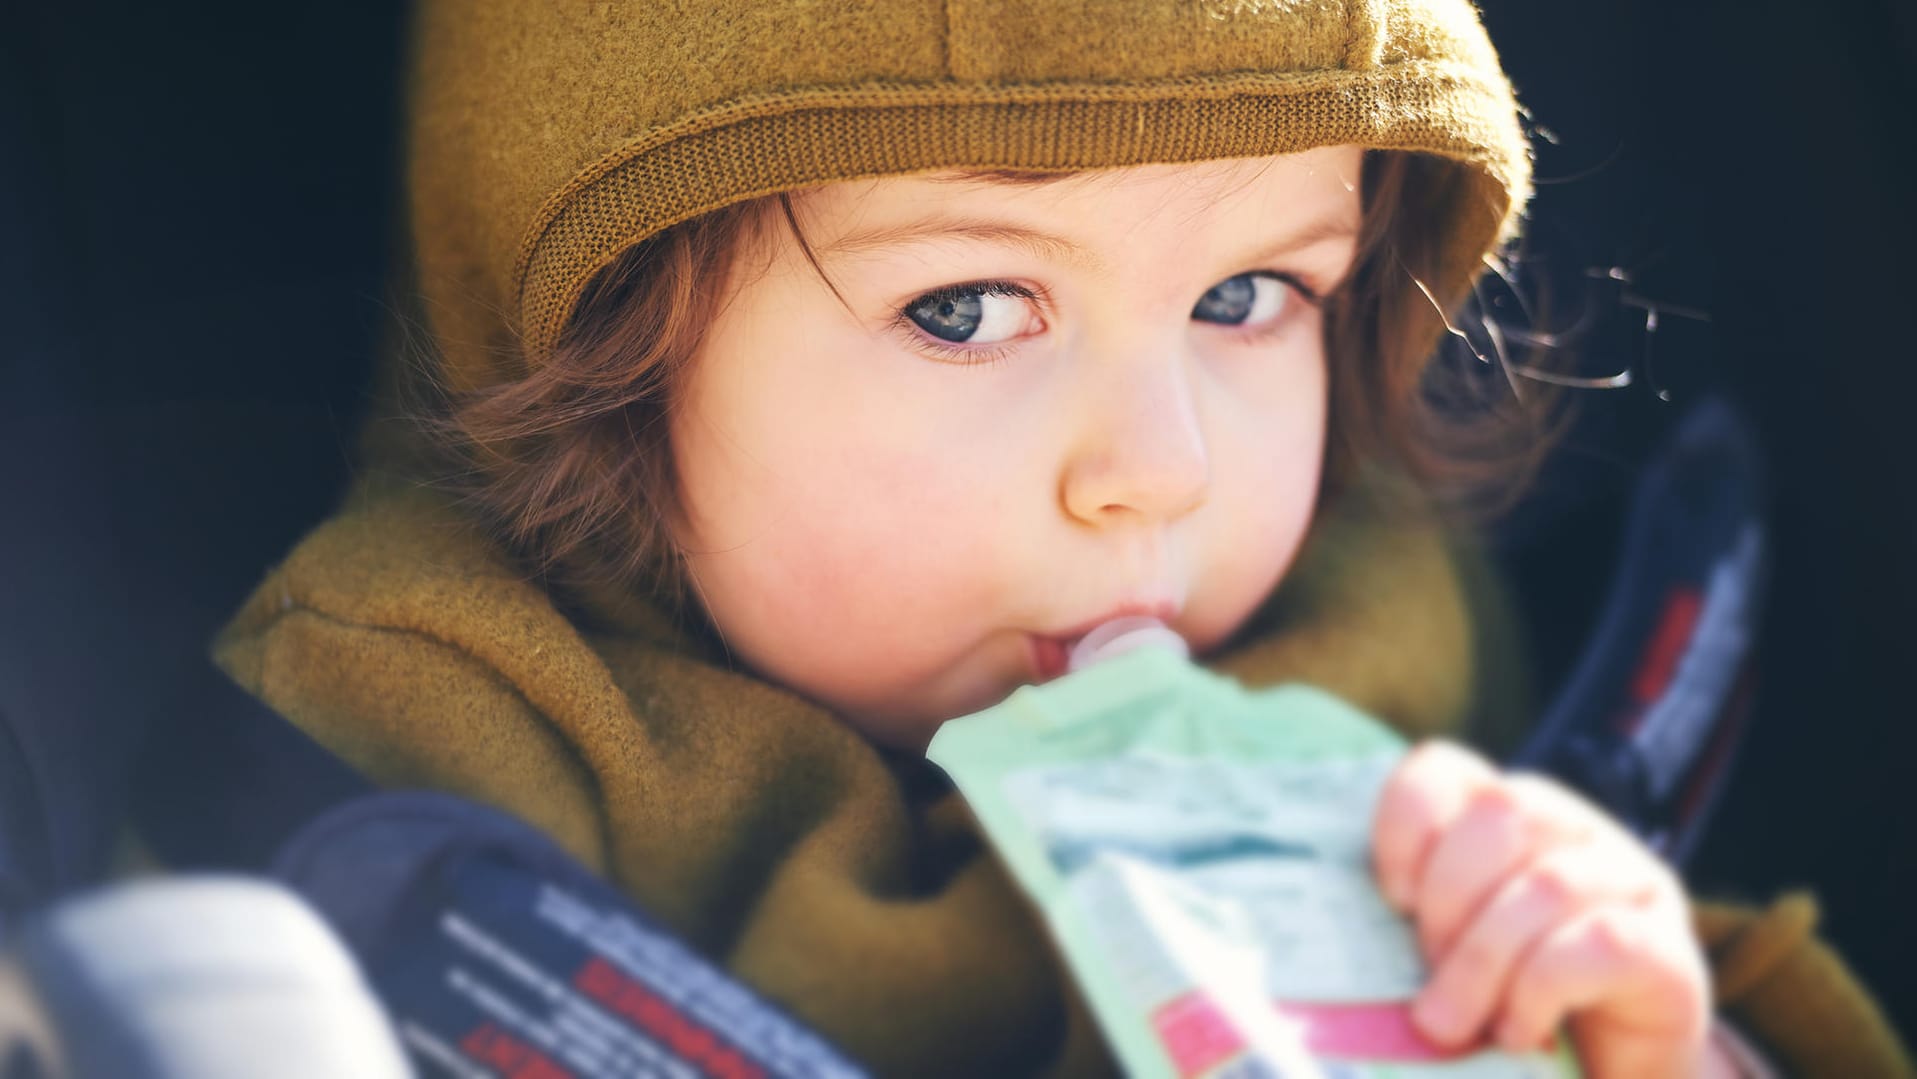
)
(1201, 852)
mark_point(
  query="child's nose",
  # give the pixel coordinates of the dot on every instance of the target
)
(1141, 454)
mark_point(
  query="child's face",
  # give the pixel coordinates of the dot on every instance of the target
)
(1039, 406)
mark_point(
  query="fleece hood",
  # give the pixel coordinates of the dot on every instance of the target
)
(546, 138)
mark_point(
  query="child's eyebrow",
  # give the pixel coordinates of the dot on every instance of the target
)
(1318, 231)
(1047, 245)
(1042, 244)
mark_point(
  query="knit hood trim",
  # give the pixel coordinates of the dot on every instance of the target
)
(777, 142)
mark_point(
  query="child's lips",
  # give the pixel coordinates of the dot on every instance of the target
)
(1049, 657)
(1052, 653)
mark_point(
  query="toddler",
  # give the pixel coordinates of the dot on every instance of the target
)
(821, 371)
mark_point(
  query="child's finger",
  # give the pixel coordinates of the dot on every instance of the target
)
(1424, 795)
(1644, 988)
(1471, 975)
(1503, 826)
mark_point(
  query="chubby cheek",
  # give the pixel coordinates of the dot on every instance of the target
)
(841, 551)
(1268, 459)
(874, 541)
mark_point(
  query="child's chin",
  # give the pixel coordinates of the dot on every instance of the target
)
(901, 734)
(907, 725)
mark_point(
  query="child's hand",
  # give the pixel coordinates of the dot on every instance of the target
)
(1533, 907)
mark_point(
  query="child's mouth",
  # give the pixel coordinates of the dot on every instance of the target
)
(1054, 656)
(1050, 656)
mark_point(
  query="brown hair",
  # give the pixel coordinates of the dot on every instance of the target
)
(572, 464)
(1401, 396)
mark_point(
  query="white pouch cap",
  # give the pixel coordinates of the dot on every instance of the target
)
(1122, 635)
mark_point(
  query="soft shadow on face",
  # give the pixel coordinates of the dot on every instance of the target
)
(1016, 409)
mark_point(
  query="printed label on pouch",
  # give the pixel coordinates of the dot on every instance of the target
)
(1234, 888)
(1201, 853)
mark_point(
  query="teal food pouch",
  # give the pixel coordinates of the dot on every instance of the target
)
(1201, 853)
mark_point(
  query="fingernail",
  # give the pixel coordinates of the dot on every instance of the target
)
(1511, 1038)
(1436, 1019)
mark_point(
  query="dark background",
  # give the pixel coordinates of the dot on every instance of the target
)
(195, 211)
(1757, 158)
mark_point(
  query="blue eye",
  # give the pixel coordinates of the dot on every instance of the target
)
(979, 314)
(1248, 299)
(949, 316)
